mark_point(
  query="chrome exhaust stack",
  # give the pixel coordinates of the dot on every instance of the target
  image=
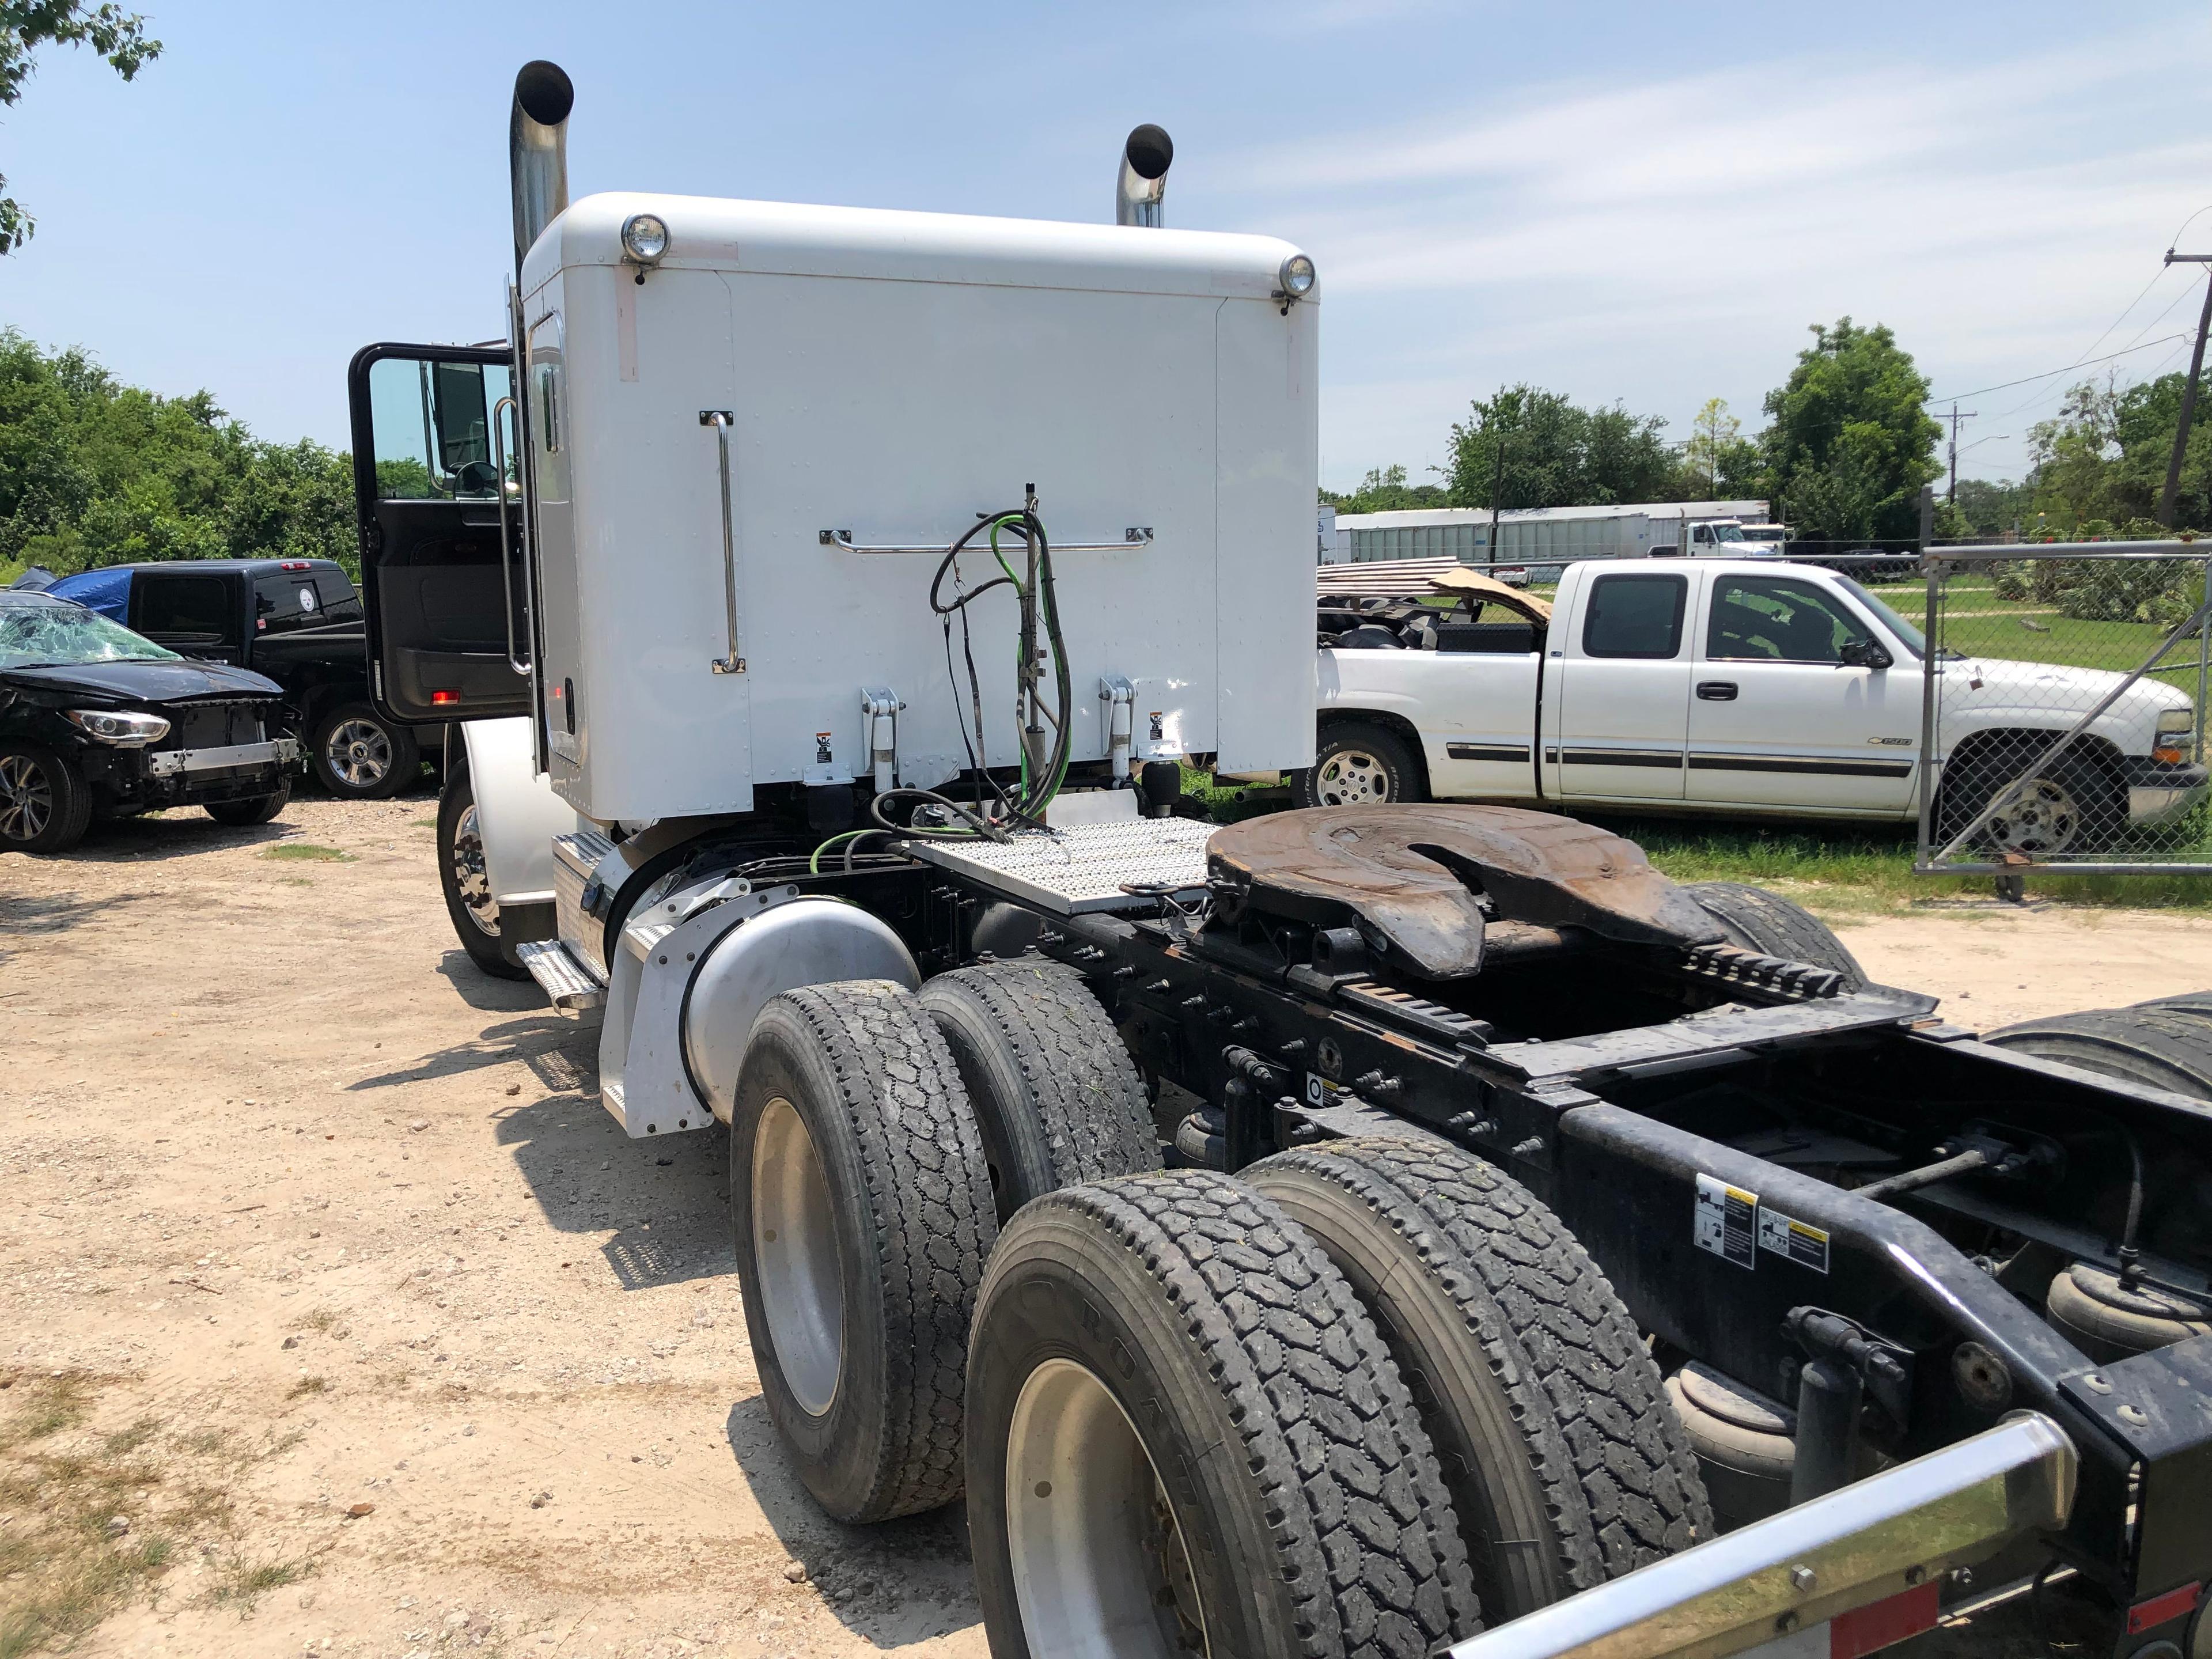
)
(538, 150)
(1146, 154)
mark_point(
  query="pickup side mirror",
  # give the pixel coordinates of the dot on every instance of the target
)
(1865, 653)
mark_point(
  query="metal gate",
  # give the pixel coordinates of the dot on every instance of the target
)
(2063, 692)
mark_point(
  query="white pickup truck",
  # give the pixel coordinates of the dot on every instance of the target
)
(1730, 687)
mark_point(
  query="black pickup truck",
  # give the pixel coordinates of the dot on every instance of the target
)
(296, 621)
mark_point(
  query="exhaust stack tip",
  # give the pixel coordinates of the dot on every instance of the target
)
(538, 150)
(544, 92)
(1146, 155)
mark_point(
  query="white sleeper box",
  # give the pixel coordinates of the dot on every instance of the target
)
(893, 375)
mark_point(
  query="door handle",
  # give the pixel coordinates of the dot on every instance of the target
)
(1716, 690)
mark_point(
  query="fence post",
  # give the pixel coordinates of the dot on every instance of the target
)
(1930, 681)
(2203, 652)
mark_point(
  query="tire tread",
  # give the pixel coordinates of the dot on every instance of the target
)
(1757, 920)
(1366, 1538)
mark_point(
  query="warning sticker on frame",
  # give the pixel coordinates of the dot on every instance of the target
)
(1726, 1221)
(1784, 1235)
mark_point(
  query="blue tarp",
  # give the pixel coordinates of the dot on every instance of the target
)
(107, 592)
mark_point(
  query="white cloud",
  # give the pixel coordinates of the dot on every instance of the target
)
(1658, 242)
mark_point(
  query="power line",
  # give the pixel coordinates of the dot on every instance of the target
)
(2004, 385)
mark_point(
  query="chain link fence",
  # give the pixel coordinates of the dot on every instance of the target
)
(2060, 719)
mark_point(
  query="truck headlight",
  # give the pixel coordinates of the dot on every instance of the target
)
(2183, 721)
(645, 238)
(1298, 276)
(120, 730)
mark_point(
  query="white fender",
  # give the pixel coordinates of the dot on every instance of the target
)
(518, 814)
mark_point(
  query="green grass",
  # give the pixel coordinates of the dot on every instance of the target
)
(305, 851)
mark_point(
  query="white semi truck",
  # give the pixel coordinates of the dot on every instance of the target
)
(1333, 1235)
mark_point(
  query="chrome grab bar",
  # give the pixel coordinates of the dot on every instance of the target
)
(506, 554)
(1134, 536)
(1891, 1533)
(720, 420)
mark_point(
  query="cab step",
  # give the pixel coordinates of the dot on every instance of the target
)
(567, 982)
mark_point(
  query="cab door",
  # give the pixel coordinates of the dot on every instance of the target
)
(1796, 702)
(1623, 673)
(444, 579)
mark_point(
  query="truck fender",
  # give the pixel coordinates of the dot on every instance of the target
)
(676, 1028)
(518, 814)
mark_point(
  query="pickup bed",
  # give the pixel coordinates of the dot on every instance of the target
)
(296, 621)
(1758, 687)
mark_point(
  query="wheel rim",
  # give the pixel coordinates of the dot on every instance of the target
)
(1100, 1568)
(358, 754)
(795, 1246)
(1352, 777)
(26, 798)
(2041, 818)
(471, 880)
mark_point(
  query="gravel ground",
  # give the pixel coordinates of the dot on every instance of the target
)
(337, 1317)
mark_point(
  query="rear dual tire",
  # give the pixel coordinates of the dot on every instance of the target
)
(1184, 1436)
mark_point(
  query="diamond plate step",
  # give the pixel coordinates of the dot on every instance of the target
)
(561, 977)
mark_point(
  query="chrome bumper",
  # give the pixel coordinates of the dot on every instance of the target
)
(172, 762)
(1876, 1551)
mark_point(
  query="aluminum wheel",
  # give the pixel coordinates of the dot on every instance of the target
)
(1352, 777)
(795, 1246)
(1099, 1567)
(2042, 818)
(26, 798)
(358, 753)
(471, 876)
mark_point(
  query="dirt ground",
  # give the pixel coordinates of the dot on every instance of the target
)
(337, 1317)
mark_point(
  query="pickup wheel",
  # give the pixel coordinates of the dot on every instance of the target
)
(1056, 1097)
(359, 755)
(862, 1213)
(257, 809)
(1357, 765)
(1185, 1437)
(1566, 1464)
(45, 805)
(2071, 805)
(1756, 919)
(465, 880)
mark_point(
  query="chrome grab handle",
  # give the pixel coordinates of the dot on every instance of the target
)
(1134, 536)
(506, 554)
(720, 420)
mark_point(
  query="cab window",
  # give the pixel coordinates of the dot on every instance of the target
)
(284, 603)
(198, 607)
(1767, 619)
(1635, 615)
(432, 426)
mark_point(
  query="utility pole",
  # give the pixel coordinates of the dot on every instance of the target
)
(2188, 392)
(1955, 418)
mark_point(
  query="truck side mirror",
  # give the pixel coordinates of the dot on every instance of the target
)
(461, 413)
(1865, 653)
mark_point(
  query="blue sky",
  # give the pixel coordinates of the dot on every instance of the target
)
(1640, 202)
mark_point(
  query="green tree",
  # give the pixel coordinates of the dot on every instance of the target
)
(1849, 443)
(1990, 510)
(94, 472)
(25, 25)
(1384, 489)
(1556, 454)
(1718, 461)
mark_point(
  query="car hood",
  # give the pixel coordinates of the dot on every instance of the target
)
(143, 682)
(2063, 689)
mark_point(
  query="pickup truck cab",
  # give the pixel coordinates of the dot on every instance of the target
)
(1742, 687)
(296, 621)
